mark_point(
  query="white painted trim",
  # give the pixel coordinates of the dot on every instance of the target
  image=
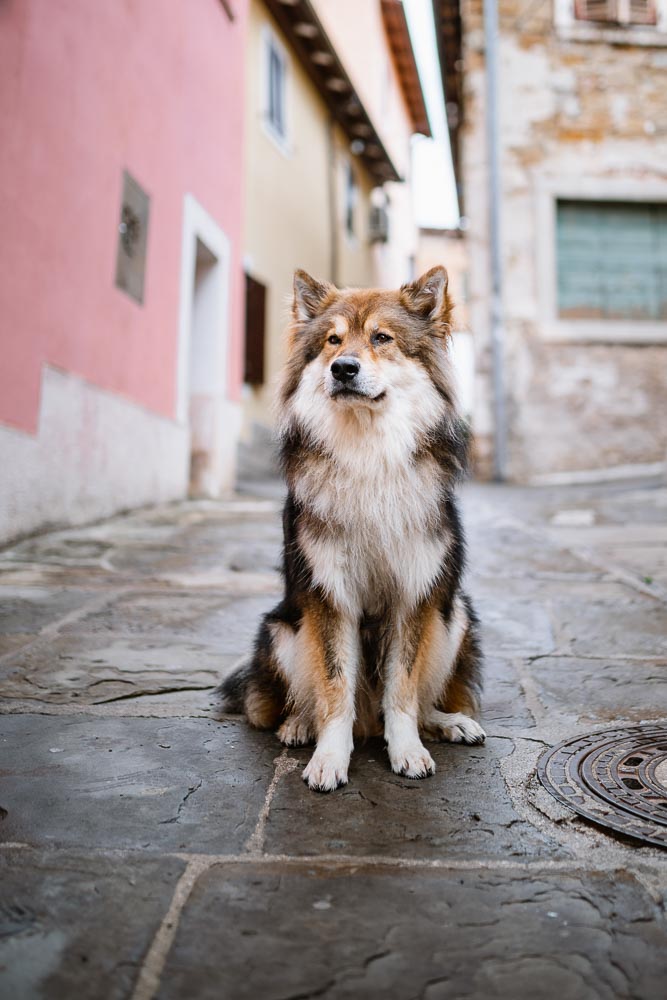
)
(615, 473)
(587, 188)
(198, 224)
(270, 38)
(569, 29)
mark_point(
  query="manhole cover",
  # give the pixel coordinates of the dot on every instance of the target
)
(617, 778)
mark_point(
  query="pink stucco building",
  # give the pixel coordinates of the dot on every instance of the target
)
(120, 279)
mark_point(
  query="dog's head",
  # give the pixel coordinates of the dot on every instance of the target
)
(354, 350)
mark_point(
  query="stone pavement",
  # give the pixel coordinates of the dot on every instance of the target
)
(152, 848)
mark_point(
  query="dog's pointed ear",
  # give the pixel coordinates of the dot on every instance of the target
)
(428, 296)
(310, 296)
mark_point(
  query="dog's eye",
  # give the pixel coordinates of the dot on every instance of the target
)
(334, 339)
(381, 338)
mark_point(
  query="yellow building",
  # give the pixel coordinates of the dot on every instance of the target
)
(332, 99)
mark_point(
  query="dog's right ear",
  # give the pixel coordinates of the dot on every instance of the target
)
(310, 296)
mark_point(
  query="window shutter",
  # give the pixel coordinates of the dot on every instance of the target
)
(255, 322)
(642, 12)
(595, 10)
(617, 11)
(612, 260)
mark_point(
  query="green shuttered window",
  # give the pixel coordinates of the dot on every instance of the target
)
(611, 260)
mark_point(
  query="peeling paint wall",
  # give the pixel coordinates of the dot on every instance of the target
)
(579, 118)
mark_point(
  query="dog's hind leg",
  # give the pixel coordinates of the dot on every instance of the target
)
(453, 713)
(256, 686)
(297, 730)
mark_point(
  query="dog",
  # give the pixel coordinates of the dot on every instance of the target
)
(374, 632)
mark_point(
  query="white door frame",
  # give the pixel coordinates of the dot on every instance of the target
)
(198, 224)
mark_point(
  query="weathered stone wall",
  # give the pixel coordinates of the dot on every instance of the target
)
(578, 118)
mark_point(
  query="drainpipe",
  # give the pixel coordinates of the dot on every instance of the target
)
(333, 204)
(494, 195)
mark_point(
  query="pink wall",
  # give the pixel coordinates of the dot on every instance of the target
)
(86, 90)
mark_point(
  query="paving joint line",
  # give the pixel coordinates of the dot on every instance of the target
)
(148, 981)
(654, 590)
(284, 764)
(654, 861)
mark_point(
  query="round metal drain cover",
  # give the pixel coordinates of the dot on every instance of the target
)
(617, 778)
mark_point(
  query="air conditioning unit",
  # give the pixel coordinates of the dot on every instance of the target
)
(378, 225)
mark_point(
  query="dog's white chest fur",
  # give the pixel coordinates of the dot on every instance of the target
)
(372, 537)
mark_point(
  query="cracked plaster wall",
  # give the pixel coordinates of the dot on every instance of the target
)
(576, 117)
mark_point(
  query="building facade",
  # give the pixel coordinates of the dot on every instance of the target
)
(583, 229)
(448, 247)
(121, 277)
(332, 98)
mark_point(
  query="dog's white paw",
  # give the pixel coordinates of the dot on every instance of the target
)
(455, 728)
(412, 761)
(326, 771)
(295, 732)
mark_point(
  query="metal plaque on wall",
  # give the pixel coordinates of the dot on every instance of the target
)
(132, 238)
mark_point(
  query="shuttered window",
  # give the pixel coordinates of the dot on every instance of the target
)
(617, 11)
(611, 260)
(255, 323)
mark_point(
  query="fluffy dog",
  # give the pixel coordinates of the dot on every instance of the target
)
(374, 633)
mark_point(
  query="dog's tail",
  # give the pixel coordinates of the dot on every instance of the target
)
(232, 690)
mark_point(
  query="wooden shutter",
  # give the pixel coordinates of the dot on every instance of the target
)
(612, 260)
(255, 323)
(617, 11)
(642, 12)
(595, 10)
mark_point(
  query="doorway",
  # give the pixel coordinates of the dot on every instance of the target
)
(202, 366)
(203, 403)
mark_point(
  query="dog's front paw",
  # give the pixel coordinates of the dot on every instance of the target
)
(294, 732)
(326, 771)
(412, 762)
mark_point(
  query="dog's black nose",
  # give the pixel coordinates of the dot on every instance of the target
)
(345, 369)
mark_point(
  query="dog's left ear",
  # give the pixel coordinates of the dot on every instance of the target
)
(428, 296)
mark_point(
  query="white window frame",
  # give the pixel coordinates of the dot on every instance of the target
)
(269, 41)
(568, 27)
(555, 328)
(352, 236)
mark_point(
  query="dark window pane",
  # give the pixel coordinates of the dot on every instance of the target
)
(255, 323)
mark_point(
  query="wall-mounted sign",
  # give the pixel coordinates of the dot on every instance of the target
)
(132, 238)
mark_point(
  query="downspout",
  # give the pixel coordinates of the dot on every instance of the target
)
(333, 203)
(494, 195)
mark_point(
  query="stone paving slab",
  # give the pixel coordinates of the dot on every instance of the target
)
(150, 784)
(226, 622)
(105, 668)
(634, 625)
(509, 551)
(26, 610)
(59, 938)
(603, 690)
(274, 932)
(513, 625)
(504, 703)
(464, 810)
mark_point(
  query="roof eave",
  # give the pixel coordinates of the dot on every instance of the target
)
(312, 46)
(398, 33)
(447, 19)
